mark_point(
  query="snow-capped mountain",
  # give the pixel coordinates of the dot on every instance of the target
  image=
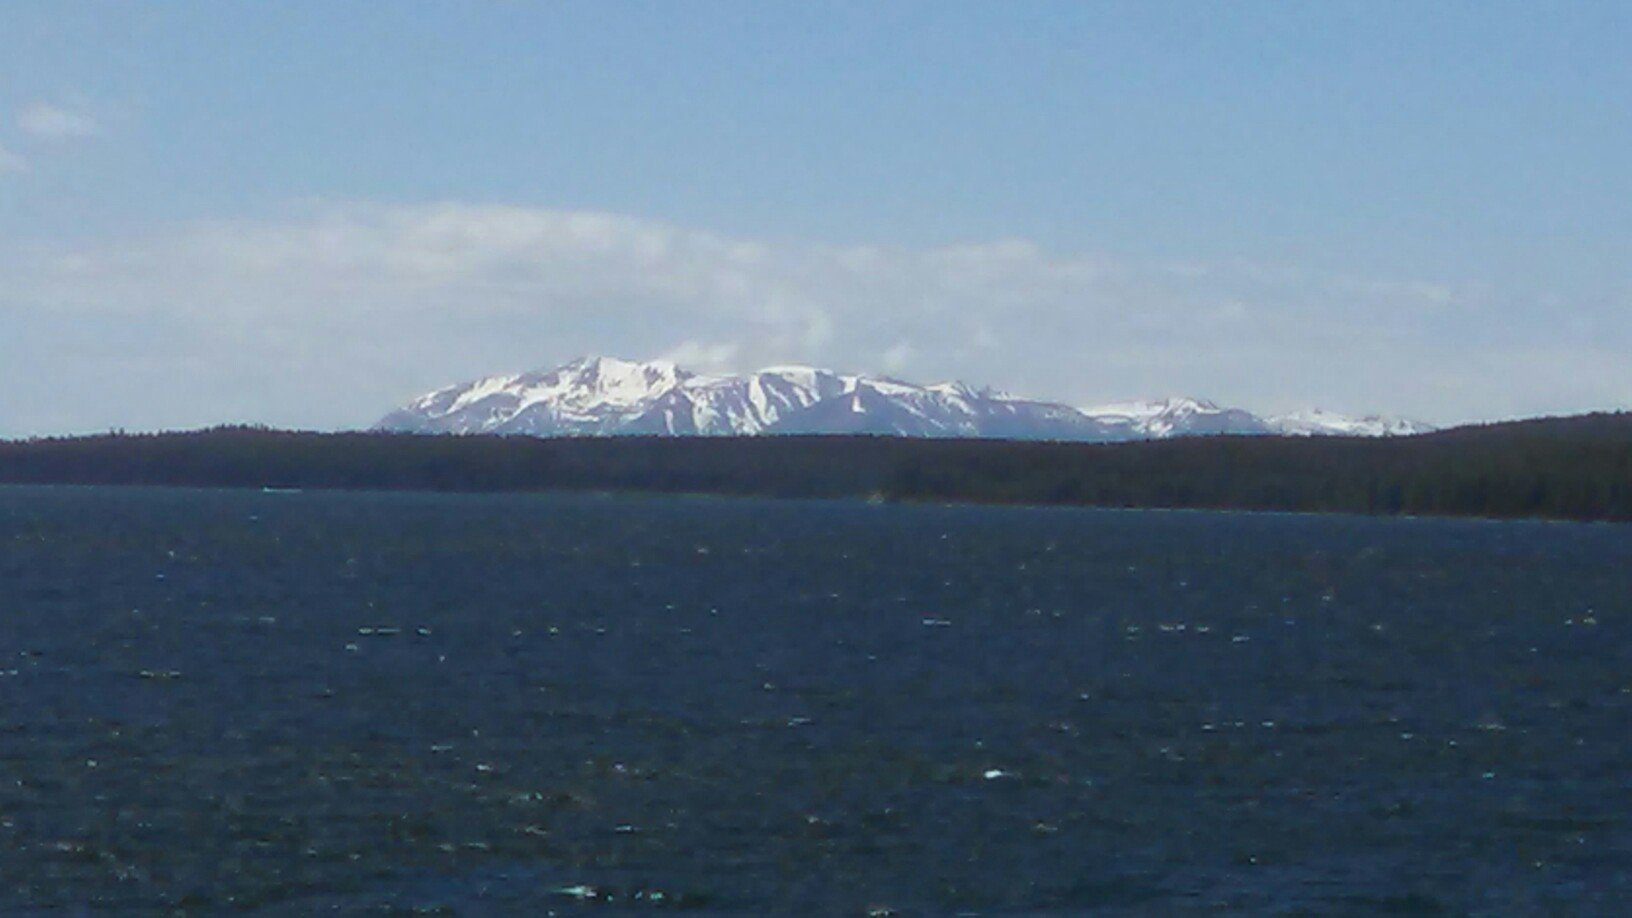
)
(604, 396)
(598, 396)
(1180, 417)
(1193, 417)
(1317, 422)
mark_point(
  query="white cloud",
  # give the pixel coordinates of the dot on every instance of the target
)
(898, 357)
(332, 315)
(702, 356)
(53, 122)
(11, 162)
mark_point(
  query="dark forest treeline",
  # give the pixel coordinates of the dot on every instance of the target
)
(1568, 468)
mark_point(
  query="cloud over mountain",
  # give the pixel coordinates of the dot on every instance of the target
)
(317, 316)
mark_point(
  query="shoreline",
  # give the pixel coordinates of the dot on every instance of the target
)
(1570, 469)
(852, 500)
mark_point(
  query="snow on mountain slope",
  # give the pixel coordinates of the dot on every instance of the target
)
(590, 396)
(603, 396)
(1180, 417)
(727, 405)
(886, 406)
(1316, 422)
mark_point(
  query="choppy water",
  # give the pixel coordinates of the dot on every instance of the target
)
(233, 700)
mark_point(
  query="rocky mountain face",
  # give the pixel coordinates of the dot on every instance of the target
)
(604, 396)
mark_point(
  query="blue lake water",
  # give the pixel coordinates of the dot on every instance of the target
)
(216, 700)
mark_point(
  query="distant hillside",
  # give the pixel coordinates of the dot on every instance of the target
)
(1569, 468)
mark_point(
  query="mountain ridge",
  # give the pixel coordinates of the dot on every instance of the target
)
(607, 396)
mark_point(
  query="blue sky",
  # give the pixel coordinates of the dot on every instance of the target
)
(303, 213)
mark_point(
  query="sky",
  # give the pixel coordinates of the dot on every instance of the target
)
(306, 213)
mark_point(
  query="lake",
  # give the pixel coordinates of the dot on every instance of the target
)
(288, 702)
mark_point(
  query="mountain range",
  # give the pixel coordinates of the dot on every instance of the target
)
(605, 396)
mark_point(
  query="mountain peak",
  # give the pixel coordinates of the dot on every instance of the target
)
(617, 368)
